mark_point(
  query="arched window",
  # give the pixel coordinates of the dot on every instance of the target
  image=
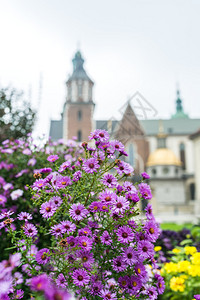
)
(79, 115)
(131, 154)
(79, 135)
(80, 88)
(182, 155)
(192, 191)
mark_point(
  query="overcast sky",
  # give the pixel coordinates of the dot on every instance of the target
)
(128, 46)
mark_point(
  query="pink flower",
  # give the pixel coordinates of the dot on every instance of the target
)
(16, 194)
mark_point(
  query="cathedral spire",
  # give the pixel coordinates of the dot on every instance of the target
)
(179, 108)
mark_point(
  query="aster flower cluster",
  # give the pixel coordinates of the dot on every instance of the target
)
(21, 162)
(98, 245)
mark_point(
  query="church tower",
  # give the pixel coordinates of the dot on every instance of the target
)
(79, 105)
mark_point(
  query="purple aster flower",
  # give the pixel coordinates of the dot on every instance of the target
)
(32, 251)
(86, 258)
(80, 277)
(31, 162)
(39, 283)
(96, 287)
(63, 181)
(57, 230)
(78, 212)
(16, 194)
(109, 180)
(17, 278)
(45, 170)
(61, 281)
(19, 294)
(129, 256)
(30, 230)
(151, 230)
(56, 200)
(21, 173)
(141, 272)
(3, 200)
(117, 146)
(119, 205)
(68, 226)
(64, 166)
(197, 297)
(8, 186)
(90, 165)
(107, 196)
(39, 184)
(94, 206)
(52, 158)
(145, 249)
(160, 284)
(72, 241)
(43, 256)
(145, 190)
(145, 175)
(6, 266)
(105, 238)
(125, 234)
(24, 216)
(124, 168)
(77, 176)
(135, 284)
(85, 243)
(132, 197)
(85, 231)
(47, 209)
(129, 187)
(123, 281)
(6, 214)
(26, 151)
(100, 134)
(151, 292)
(53, 293)
(149, 212)
(118, 264)
(106, 294)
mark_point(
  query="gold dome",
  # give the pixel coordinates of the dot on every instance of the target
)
(163, 156)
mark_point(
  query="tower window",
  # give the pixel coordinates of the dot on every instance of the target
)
(79, 135)
(165, 170)
(80, 89)
(182, 155)
(154, 171)
(79, 115)
(192, 191)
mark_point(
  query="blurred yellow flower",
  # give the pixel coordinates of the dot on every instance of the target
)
(176, 251)
(171, 267)
(195, 259)
(157, 248)
(194, 270)
(190, 250)
(177, 284)
(183, 265)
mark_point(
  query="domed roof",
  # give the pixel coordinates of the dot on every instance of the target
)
(163, 156)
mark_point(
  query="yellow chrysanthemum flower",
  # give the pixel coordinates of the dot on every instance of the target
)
(177, 284)
(157, 248)
(176, 251)
(171, 267)
(190, 250)
(194, 270)
(183, 265)
(195, 259)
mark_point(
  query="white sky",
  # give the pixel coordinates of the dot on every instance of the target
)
(128, 46)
